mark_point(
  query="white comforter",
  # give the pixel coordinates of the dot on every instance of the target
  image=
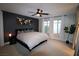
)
(32, 38)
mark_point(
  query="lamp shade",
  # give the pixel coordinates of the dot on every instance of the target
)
(10, 34)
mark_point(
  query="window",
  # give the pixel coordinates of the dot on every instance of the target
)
(56, 26)
(46, 26)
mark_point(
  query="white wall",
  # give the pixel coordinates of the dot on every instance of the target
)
(1, 30)
(40, 25)
(67, 21)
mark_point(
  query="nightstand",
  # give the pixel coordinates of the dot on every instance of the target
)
(12, 39)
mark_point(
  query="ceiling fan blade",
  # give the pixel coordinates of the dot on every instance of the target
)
(30, 12)
(41, 11)
(38, 10)
(45, 13)
(40, 15)
(34, 14)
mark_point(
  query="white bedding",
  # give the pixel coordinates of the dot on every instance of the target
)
(32, 38)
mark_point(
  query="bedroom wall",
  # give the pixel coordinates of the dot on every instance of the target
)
(67, 21)
(40, 25)
(1, 30)
(10, 24)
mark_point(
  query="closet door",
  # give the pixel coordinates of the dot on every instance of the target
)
(1, 30)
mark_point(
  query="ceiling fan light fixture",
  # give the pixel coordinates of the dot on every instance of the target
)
(37, 14)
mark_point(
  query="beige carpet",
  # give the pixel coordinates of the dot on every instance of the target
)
(50, 48)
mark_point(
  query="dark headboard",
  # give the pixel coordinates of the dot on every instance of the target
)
(24, 29)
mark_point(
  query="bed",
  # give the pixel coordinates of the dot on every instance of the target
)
(30, 39)
(42, 46)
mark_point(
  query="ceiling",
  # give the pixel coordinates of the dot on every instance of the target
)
(54, 9)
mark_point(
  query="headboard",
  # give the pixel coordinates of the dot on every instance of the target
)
(24, 30)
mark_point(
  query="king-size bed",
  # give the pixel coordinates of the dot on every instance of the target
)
(30, 39)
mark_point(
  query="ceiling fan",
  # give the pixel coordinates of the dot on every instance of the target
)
(39, 12)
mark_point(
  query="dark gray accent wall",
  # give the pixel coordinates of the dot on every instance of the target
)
(10, 25)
